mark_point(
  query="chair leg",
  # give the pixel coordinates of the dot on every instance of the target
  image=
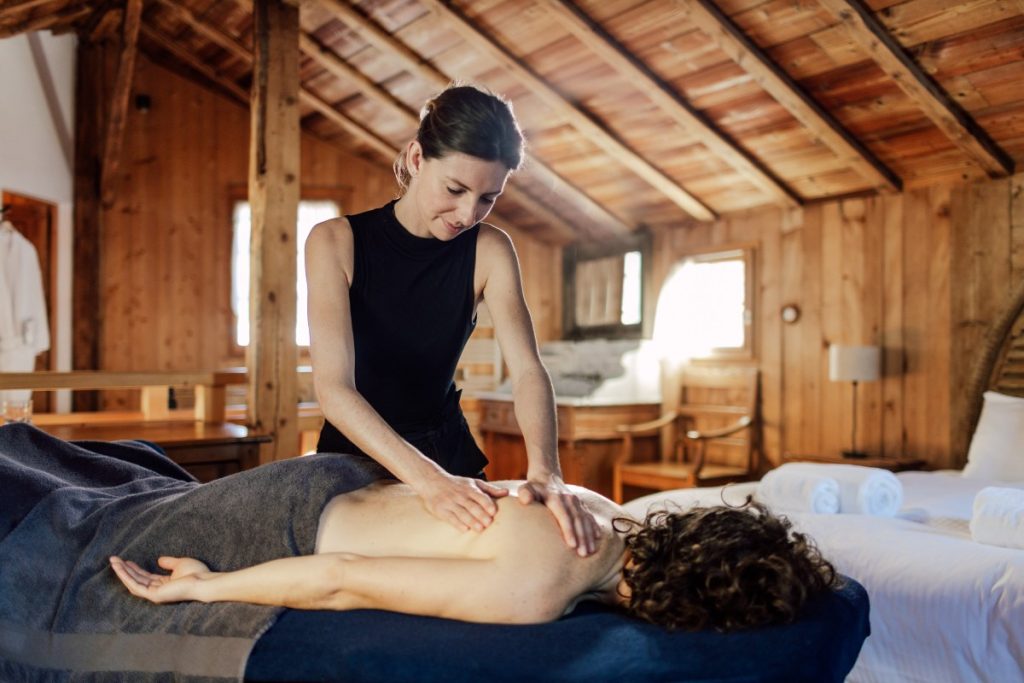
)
(616, 485)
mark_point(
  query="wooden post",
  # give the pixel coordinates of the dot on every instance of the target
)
(274, 196)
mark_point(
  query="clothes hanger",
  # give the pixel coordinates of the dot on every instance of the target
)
(5, 224)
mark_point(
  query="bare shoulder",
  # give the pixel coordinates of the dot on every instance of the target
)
(334, 232)
(329, 250)
(494, 244)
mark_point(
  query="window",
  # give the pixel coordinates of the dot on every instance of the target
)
(310, 213)
(705, 307)
(605, 288)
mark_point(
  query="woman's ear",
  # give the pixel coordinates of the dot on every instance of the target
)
(414, 158)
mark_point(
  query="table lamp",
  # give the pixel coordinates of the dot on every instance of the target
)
(854, 364)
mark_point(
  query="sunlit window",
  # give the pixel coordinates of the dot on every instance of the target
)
(704, 308)
(310, 213)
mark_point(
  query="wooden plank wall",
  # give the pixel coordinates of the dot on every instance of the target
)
(923, 274)
(166, 242)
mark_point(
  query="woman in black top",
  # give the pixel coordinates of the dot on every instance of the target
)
(392, 300)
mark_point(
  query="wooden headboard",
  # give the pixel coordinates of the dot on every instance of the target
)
(1001, 364)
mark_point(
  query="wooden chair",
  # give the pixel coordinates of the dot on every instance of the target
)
(717, 434)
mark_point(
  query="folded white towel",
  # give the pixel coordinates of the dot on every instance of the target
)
(862, 490)
(787, 489)
(998, 517)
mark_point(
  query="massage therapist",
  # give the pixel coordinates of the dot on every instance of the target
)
(393, 294)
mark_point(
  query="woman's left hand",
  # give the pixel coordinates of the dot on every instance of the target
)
(579, 528)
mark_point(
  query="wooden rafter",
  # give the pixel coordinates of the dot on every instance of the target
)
(119, 100)
(196, 64)
(869, 33)
(668, 99)
(776, 82)
(15, 8)
(577, 117)
(594, 213)
(45, 21)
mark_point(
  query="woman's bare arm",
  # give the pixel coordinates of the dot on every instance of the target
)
(533, 397)
(477, 590)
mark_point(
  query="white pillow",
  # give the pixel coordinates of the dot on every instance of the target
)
(997, 447)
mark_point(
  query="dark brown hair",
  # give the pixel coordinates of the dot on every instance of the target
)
(720, 567)
(466, 119)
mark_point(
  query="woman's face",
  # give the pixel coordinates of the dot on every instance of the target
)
(452, 193)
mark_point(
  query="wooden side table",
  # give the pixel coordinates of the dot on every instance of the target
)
(891, 464)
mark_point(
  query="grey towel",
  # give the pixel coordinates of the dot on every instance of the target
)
(65, 508)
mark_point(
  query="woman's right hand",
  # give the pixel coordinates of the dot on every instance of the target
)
(463, 502)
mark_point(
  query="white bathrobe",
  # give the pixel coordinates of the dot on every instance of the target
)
(24, 327)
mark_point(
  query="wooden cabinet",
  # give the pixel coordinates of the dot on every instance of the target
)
(587, 441)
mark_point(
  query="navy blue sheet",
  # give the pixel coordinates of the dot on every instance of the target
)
(591, 645)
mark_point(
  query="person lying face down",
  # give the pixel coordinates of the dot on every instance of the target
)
(378, 548)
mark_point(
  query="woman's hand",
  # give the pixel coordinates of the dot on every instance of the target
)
(463, 502)
(579, 528)
(179, 586)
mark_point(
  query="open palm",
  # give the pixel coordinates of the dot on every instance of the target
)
(178, 586)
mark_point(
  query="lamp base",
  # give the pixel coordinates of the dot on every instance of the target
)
(855, 455)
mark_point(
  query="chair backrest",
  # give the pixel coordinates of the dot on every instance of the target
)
(714, 397)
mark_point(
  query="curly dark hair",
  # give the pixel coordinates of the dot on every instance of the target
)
(725, 568)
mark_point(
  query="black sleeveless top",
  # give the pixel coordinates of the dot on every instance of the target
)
(412, 302)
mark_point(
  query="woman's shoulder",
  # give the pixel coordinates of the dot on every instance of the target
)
(336, 231)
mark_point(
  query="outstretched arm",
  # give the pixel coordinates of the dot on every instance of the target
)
(470, 590)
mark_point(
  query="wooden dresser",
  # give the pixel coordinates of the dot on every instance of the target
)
(587, 441)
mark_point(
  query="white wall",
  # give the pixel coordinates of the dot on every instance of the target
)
(32, 161)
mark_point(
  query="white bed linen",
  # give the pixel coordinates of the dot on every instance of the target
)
(943, 608)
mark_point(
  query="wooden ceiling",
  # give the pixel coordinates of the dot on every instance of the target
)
(637, 112)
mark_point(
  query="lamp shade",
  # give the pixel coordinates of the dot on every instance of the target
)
(854, 363)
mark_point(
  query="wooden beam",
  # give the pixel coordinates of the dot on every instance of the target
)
(191, 60)
(14, 8)
(577, 117)
(52, 101)
(45, 21)
(272, 353)
(668, 99)
(776, 82)
(119, 100)
(869, 33)
(597, 216)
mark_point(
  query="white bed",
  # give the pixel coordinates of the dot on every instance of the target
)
(943, 607)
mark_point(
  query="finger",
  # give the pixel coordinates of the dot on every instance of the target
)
(565, 522)
(593, 532)
(578, 526)
(526, 494)
(168, 562)
(463, 519)
(480, 517)
(491, 490)
(483, 501)
(138, 573)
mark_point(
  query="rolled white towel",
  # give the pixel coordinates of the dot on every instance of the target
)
(790, 489)
(997, 517)
(862, 490)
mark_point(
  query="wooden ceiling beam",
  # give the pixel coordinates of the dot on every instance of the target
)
(597, 216)
(18, 7)
(45, 21)
(197, 65)
(118, 115)
(668, 99)
(872, 36)
(577, 117)
(731, 39)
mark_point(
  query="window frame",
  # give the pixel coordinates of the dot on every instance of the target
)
(575, 254)
(748, 255)
(239, 192)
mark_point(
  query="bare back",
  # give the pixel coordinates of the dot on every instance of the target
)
(387, 519)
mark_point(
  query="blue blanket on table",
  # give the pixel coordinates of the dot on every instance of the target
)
(64, 508)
